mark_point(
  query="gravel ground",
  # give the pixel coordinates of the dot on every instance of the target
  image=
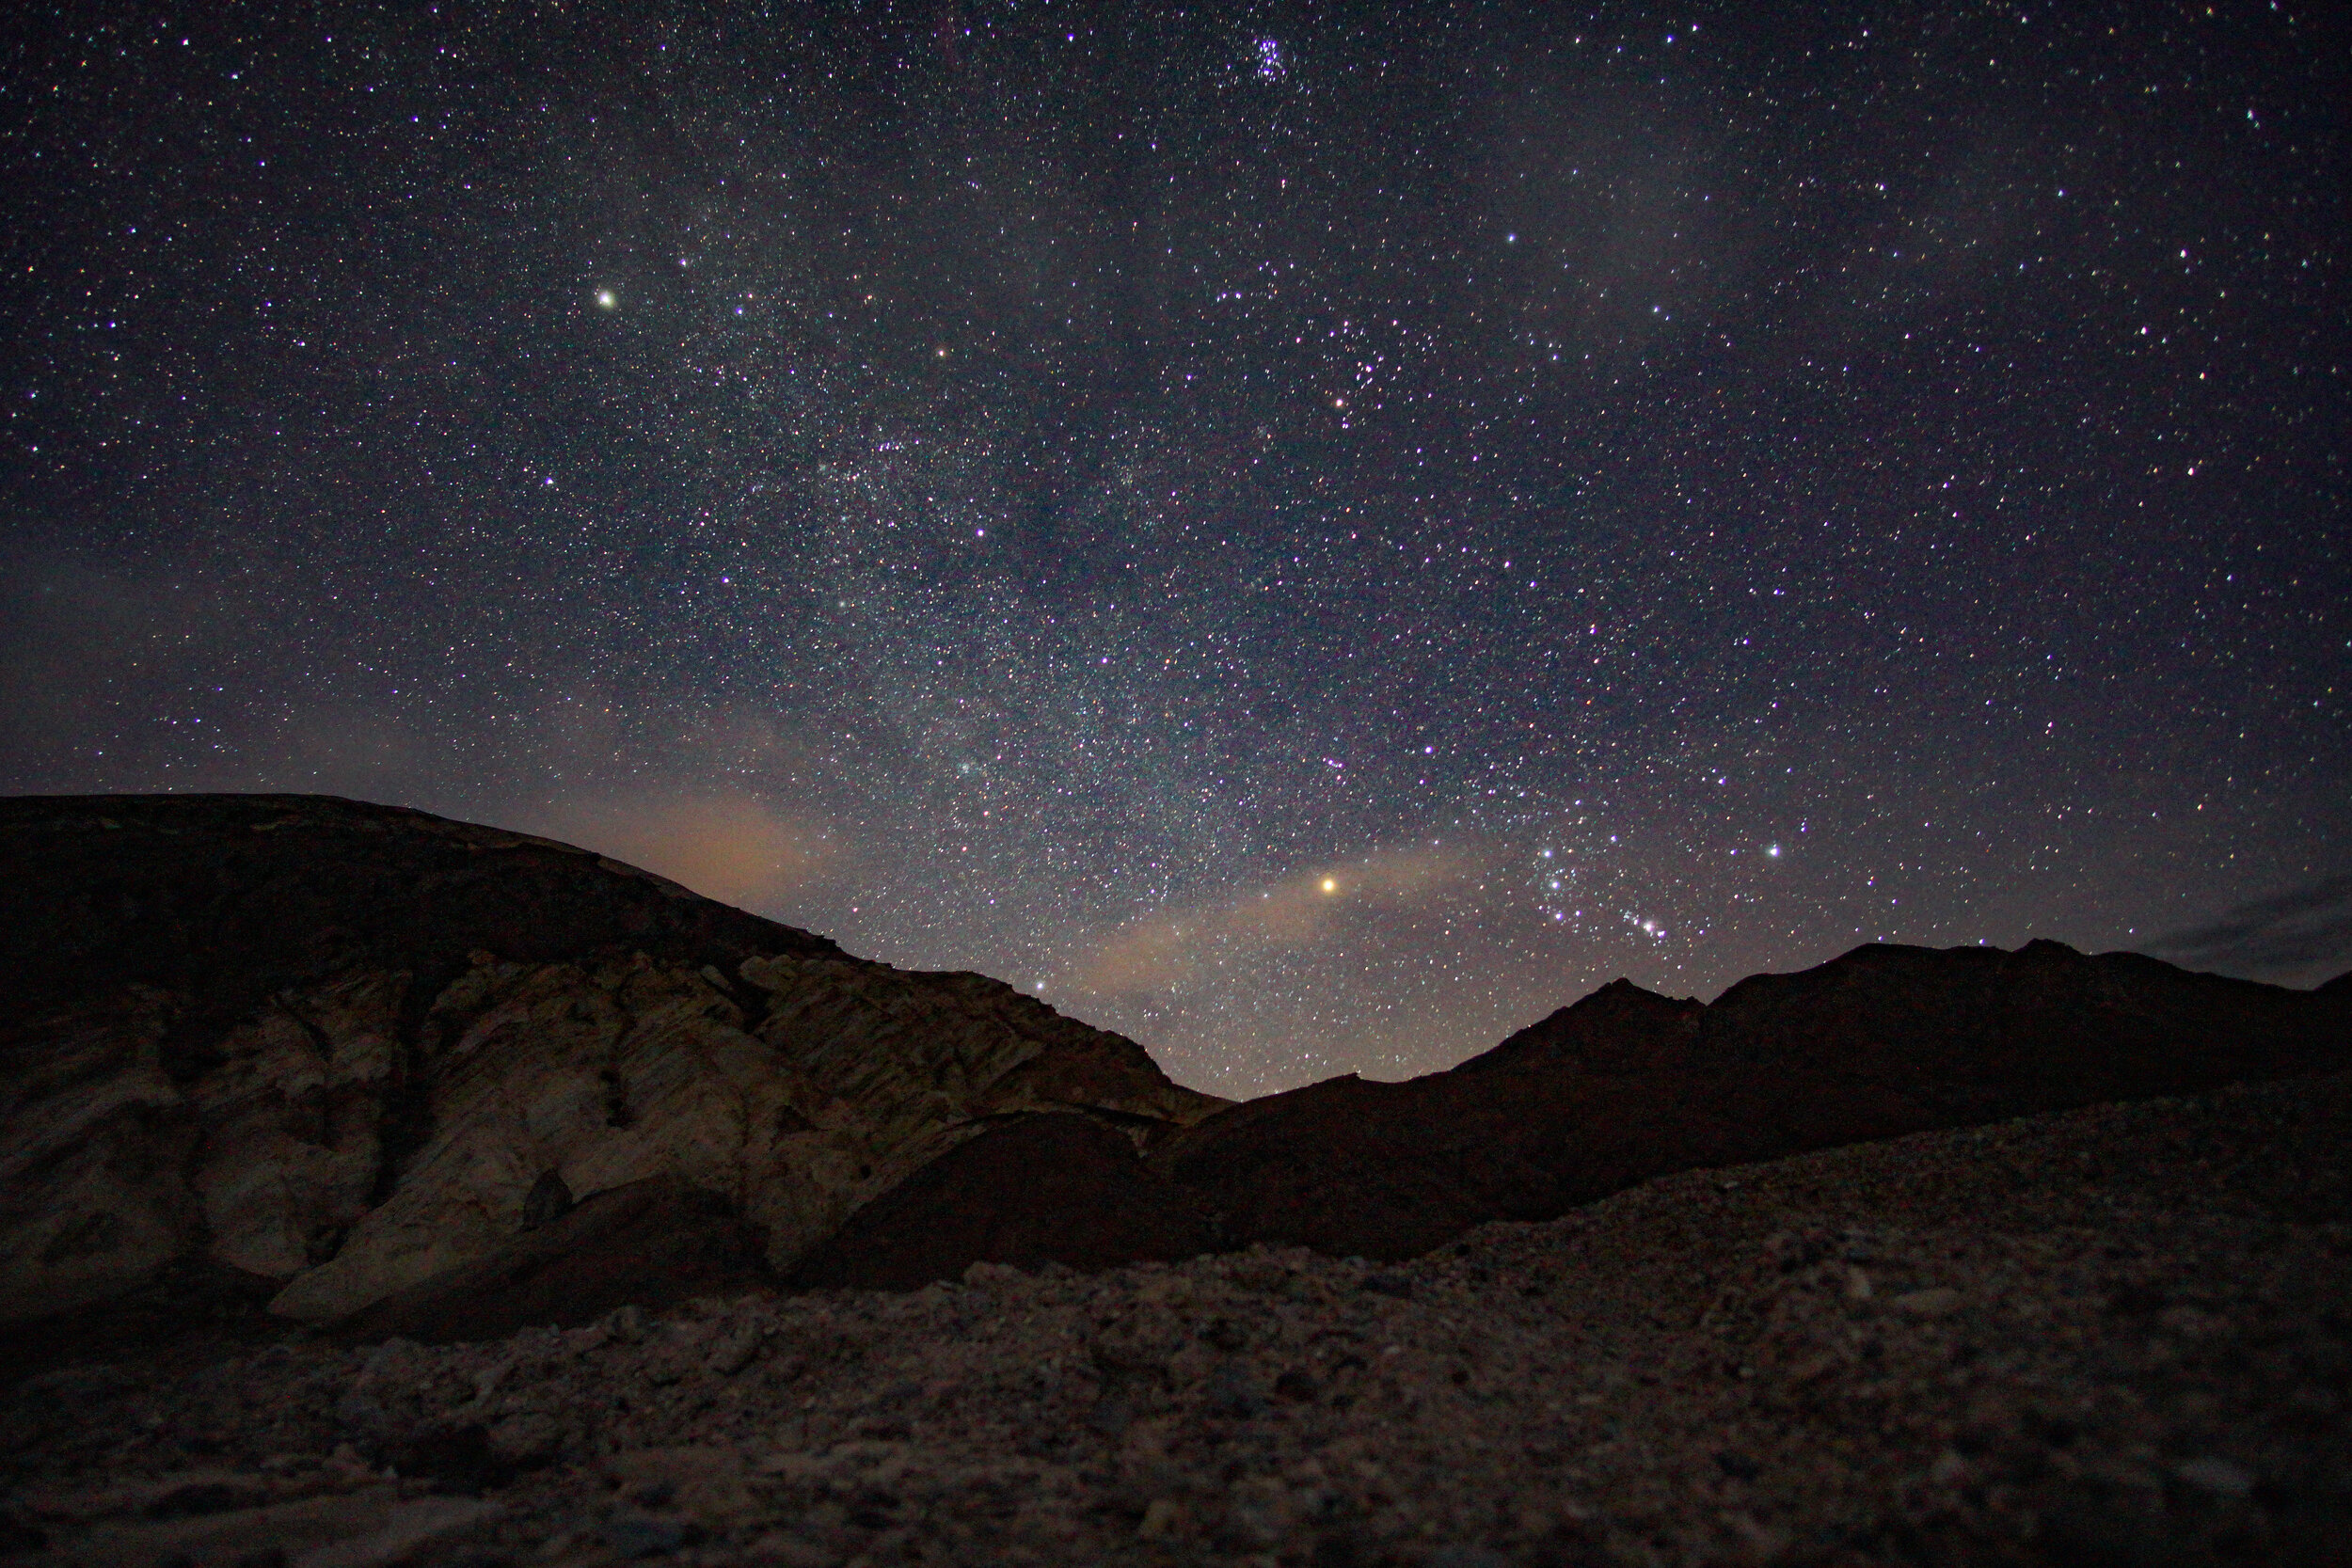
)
(2120, 1336)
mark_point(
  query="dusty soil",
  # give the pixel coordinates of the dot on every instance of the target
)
(2118, 1335)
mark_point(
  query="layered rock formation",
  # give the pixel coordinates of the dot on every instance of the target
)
(340, 1050)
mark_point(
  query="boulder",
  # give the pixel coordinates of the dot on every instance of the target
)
(1041, 1189)
(651, 1243)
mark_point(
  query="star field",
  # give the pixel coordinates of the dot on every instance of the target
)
(1308, 534)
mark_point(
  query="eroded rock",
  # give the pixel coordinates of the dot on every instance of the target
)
(354, 1049)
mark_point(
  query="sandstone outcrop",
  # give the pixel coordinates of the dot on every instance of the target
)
(337, 1051)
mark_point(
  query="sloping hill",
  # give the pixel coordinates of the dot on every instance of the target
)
(324, 1051)
(1625, 1085)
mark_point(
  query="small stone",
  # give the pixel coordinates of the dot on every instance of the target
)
(548, 1200)
(626, 1324)
(2189, 1322)
(1232, 1392)
(388, 1358)
(737, 1346)
(1296, 1387)
(1255, 1514)
(1225, 1334)
(2216, 1476)
(984, 1274)
(1949, 1469)
(1935, 1303)
(527, 1440)
(362, 1414)
(1161, 1518)
(642, 1535)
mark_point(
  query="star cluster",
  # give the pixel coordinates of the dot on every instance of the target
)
(1310, 536)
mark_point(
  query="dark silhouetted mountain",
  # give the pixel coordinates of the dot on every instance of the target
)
(1623, 1085)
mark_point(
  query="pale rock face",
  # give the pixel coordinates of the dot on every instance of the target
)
(600, 1076)
(878, 1035)
(385, 1117)
(292, 1147)
(275, 1160)
(858, 1076)
(384, 1108)
(92, 1136)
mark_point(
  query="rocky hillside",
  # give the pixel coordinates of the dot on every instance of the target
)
(323, 1053)
(410, 1076)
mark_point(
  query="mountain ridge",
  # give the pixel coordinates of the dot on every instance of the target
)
(362, 1063)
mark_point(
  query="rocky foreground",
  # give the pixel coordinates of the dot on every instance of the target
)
(2114, 1335)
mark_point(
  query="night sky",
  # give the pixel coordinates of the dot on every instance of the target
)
(1308, 534)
